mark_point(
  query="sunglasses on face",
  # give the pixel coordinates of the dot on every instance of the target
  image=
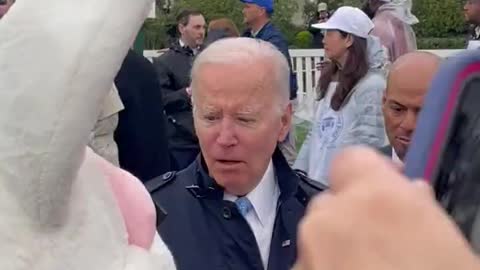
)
(3, 2)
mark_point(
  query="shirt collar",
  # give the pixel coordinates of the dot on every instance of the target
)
(264, 197)
(255, 34)
(183, 45)
(476, 32)
(395, 157)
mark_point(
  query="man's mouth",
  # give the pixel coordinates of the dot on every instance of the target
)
(403, 139)
(228, 162)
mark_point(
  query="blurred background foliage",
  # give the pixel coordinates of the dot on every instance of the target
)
(441, 21)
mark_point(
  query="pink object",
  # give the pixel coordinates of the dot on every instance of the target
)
(397, 36)
(134, 202)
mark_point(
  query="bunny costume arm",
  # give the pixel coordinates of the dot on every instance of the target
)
(59, 207)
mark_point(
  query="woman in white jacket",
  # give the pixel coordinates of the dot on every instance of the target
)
(350, 92)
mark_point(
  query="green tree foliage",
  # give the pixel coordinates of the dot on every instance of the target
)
(214, 9)
(441, 21)
(156, 32)
(282, 18)
(439, 18)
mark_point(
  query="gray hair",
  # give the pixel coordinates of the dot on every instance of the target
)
(235, 51)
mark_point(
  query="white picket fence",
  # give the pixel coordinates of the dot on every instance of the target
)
(304, 65)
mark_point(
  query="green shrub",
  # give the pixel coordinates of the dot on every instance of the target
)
(458, 42)
(156, 32)
(439, 18)
(303, 40)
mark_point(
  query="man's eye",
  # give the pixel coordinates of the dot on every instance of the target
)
(246, 120)
(396, 108)
(210, 118)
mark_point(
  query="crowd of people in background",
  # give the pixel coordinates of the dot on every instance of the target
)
(208, 128)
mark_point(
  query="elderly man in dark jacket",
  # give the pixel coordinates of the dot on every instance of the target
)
(173, 70)
(141, 134)
(239, 204)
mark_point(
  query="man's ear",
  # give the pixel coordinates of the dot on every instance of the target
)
(286, 122)
(181, 29)
(384, 102)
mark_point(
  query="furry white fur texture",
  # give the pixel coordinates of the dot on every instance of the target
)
(57, 62)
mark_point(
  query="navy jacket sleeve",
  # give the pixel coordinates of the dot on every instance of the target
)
(174, 99)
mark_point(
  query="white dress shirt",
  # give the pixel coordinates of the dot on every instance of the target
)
(261, 219)
(183, 45)
(395, 157)
(255, 34)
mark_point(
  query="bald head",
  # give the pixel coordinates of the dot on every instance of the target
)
(408, 82)
(413, 72)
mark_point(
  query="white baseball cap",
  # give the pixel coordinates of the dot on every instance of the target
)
(351, 20)
(322, 7)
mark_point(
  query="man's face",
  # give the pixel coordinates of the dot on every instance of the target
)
(472, 11)
(322, 16)
(403, 101)
(4, 7)
(238, 121)
(251, 13)
(194, 32)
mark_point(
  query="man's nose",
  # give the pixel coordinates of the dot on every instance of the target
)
(410, 121)
(226, 136)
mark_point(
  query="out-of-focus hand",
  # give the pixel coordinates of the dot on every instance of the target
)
(374, 218)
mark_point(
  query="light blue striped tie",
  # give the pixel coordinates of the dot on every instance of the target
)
(244, 205)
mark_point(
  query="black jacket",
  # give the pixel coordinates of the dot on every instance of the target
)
(271, 34)
(173, 70)
(204, 232)
(141, 131)
(317, 42)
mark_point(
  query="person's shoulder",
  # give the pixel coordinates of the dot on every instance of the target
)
(308, 187)
(164, 54)
(166, 193)
(374, 80)
(161, 182)
(170, 180)
(271, 31)
(168, 54)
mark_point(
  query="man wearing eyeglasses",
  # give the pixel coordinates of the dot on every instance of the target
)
(472, 16)
(5, 6)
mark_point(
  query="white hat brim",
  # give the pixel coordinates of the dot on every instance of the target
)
(324, 25)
